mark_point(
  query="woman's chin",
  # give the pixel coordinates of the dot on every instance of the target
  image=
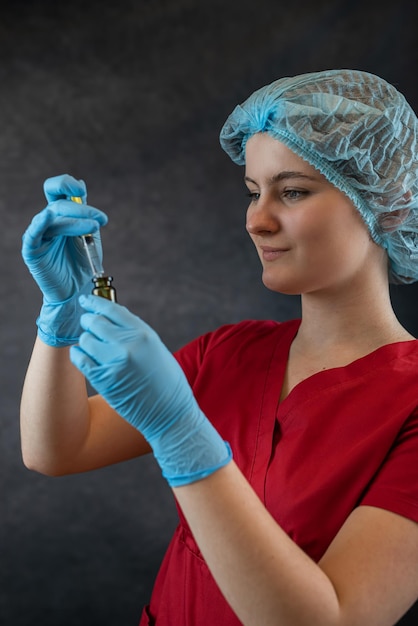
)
(280, 284)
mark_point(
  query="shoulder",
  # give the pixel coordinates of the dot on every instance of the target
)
(399, 360)
(229, 344)
(407, 352)
(241, 334)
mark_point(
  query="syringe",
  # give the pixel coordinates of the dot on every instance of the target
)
(102, 284)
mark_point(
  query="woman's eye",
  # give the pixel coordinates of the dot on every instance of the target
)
(253, 196)
(294, 194)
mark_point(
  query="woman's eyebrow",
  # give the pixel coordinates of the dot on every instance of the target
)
(282, 176)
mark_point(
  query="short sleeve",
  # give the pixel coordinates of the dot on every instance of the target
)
(191, 356)
(229, 338)
(395, 485)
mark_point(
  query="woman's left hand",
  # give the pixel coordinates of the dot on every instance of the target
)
(127, 363)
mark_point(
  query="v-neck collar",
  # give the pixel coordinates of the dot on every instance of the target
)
(323, 379)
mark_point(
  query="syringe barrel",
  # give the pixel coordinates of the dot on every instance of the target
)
(90, 248)
(93, 255)
(102, 284)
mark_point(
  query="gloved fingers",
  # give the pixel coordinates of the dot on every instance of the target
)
(100, 351)
(82, 360)
(114, 312)
(112, 334)
(42, 230)
(64, 186)
(99, 326)
(52, 223)
(70, 209)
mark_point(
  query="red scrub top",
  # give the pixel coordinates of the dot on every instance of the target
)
(343, 437)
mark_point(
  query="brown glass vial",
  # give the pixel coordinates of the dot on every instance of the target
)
(103, 288)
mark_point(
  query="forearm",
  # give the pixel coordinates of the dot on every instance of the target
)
(264, 575)
(54, 410)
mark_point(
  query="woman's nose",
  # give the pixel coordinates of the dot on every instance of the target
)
(261, 218)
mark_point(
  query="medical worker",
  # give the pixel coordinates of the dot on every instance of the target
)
(291, 448)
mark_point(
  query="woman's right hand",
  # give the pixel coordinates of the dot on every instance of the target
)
(52, 248)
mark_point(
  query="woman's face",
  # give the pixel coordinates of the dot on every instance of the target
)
(308, 234)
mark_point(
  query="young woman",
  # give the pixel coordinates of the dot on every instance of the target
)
(292, 448)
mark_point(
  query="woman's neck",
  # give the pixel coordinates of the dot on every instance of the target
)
(359, 319)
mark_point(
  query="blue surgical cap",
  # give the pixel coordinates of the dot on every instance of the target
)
(360, 133)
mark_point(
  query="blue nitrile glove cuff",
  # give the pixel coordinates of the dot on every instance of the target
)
(186, 446)
(59, 323)
(192, 457)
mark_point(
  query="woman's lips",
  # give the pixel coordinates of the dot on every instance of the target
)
(272, 254)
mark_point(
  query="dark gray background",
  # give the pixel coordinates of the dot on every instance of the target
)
(130, 96)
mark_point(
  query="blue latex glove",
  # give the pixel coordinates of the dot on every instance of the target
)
(127, 363)
(55, 256)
